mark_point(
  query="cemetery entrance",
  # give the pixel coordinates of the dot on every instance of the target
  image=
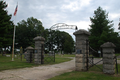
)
(39, 54)
(52, 44)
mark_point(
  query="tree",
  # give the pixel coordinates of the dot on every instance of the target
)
(68, 45)
(27, 30)
(62, 40)
(101, 29)
(6, 26)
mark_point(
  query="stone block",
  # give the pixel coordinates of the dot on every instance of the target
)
(109, 56)
(79, 60)
(108, 50)
(108, 71)
(108, 67)
(36, 56)
(79, 55)
(79, 65)
(80, 69)
(108, 61)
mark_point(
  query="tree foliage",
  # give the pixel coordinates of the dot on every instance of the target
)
(55, 40)
(68, 43)
(60, 40)
(6, 26)
(27, 30)
(101, 29)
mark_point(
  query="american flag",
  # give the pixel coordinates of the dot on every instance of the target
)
(15, 10)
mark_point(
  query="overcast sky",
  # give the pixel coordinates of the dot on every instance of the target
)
(71, 12)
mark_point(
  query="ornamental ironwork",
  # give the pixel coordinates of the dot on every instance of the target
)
(63, 26)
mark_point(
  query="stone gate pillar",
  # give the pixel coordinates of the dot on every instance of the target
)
(39, 42)
(108, 58)
(80, 58)
(29, 54)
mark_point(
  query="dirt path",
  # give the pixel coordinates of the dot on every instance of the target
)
(38, 73)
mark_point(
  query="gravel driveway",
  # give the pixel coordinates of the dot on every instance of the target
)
(38, 73)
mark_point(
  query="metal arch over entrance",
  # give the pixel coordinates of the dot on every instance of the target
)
(50, 57)
(63, 26)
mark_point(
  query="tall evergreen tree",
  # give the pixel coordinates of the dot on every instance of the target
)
(6, 26)
(101, 29)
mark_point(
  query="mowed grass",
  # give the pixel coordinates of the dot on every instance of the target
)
(63, 58)
(94, 73)
(6, 63)
(117, 54)
(76, 75)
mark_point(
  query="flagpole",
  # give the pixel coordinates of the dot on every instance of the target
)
(13, 44)
(14, 37)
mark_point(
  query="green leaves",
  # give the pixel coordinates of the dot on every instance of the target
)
(27, 30)
(6, 26)
(61, 40)
(101, 29)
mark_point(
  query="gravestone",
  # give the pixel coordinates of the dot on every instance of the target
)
(80, 58)
(108, 58)
(39, 52)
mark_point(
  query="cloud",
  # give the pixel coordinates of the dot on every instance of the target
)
(71, 12)
(75, 5)
(71, 6)
(11, 7)
(114, 15)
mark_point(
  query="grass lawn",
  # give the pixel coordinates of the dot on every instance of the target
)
(76, 75)
(94, 73)
(7, 63)
(117, 54)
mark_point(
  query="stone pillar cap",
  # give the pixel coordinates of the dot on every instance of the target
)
(39, 38)
(81, 31)
(108, 44)
(29, 48)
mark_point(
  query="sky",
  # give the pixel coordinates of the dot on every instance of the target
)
(70, 12)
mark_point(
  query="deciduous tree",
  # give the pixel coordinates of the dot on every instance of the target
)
(27, 30)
